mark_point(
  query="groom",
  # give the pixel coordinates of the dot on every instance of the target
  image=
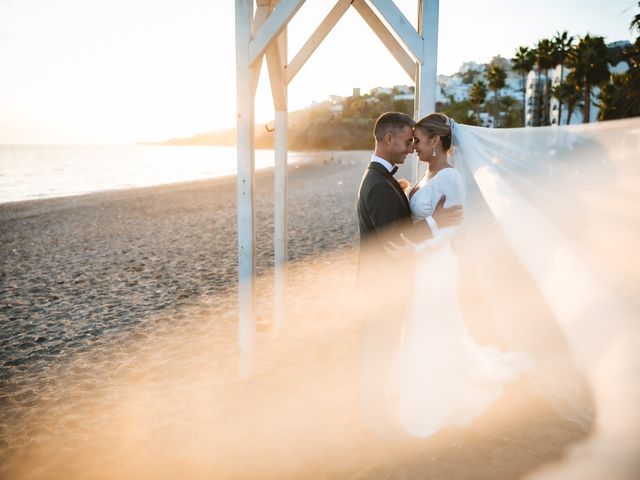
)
(383, 215)
(383, 207)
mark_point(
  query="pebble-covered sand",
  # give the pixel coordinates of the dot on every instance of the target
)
(118, 333)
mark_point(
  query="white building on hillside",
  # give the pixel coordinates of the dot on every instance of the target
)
(451, 86)
(403, 90)
(467, 66)
(380, 91)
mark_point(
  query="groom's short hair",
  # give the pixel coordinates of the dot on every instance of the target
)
(391, 122)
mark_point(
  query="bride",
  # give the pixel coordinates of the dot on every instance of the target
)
(443, 377)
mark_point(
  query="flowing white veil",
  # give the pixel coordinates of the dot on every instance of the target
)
(552, 219)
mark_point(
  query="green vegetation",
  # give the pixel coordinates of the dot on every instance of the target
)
(620, 98)
(562, 43)
(496, 76)
(545, 58)
(522, 63)
(477, 95)
(588, 59)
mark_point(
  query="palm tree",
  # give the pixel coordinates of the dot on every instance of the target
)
(635, 23)
(572, 98)
(562, 44)
(469, 76)
(588, 59)
(621, 97)
(631, 90)
(544, 61)
(496, 76)
(511, 114)
(477, 95)
(609, 98)
(523, 62)
(568, 93)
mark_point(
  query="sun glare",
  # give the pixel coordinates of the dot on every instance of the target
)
(150, 72)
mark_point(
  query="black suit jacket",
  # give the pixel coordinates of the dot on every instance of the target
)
(383, 213)
(383, 208)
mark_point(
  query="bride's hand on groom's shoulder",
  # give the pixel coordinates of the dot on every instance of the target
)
(407, 249)
(447, 217)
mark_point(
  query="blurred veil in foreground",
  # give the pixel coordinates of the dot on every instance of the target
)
(545, 262)
(552, 222)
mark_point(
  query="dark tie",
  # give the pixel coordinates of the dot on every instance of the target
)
(394, 170)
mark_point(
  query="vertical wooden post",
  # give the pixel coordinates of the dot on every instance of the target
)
(245, 183)
(280, 188)
(426, 67)
(428, 30)
(417, 114)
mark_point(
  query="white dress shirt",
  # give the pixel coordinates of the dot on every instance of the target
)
(382, 161)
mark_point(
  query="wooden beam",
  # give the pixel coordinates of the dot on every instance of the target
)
(280, 217)
(426, 68)
(277, 21)
(389, 41)
(245, 183)
(276, 76)
(276, 61)
(316, 39)
(262, 13)
(403, 28)
(428, 28)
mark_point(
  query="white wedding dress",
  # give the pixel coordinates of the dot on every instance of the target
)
(444, 377)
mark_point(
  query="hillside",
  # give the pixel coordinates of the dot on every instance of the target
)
(314, 128)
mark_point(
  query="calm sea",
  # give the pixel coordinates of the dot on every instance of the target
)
(30, 172)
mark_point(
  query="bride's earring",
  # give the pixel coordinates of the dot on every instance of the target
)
(433, 154)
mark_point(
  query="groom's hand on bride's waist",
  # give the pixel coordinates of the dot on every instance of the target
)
(447, 217)
(405, 249)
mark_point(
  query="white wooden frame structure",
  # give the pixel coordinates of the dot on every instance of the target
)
(263, 33)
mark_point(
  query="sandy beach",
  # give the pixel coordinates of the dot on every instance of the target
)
(119, 346)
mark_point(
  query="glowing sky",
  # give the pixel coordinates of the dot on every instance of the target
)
(118, 71)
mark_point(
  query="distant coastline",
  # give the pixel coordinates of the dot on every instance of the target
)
(316, 128)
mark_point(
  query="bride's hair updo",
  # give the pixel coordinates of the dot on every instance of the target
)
(437, 124)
